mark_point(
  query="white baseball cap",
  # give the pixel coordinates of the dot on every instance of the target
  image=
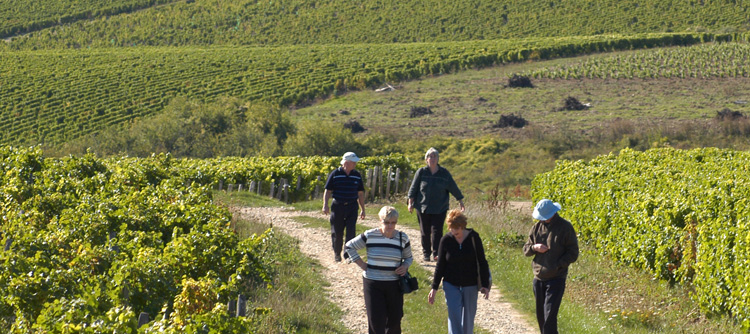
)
(349, 156)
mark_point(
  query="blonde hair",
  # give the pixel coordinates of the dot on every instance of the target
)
(388, 213)
(456, 219)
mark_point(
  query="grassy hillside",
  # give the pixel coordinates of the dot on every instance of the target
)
(252, 22)
(648, 86)
(53, 96)
(639, 113)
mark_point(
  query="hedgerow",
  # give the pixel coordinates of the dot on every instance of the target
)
(680, 214)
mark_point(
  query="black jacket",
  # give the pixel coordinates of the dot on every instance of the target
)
(457, 264)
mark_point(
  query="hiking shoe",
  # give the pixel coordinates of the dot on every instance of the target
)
(434, 258)
(337, 258)
(426, 258)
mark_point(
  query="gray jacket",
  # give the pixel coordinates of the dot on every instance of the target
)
(431, 191)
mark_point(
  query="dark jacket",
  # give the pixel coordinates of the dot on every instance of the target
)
(562, 241)
(431, 191)
(457, 264)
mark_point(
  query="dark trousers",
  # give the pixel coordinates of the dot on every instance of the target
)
(548, 296)
(343, 216)
(431, 228)
(385, 306)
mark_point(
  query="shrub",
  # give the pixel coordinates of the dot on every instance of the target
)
(510, 120)
(326, 139)
(354, 126)
(728, 114)
(519, 81)
(419, 111)
(571, 103)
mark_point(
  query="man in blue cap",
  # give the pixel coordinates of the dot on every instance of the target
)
(554, 245)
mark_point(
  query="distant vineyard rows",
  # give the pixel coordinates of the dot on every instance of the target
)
(729, 60)
(23, 16)
(53, 96)
(682, 215)
(277, 22)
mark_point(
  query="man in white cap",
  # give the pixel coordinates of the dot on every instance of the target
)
(346, 187)
(554, 245)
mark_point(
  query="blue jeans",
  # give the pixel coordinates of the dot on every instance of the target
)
(462, 307)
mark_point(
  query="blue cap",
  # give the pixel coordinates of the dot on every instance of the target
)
(545, 209)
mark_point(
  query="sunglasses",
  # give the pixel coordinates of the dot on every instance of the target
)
(391, 223)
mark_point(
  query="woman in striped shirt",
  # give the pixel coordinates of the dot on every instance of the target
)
(388, 257)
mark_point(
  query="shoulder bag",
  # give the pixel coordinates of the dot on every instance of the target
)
(476, 257)
(406, 282)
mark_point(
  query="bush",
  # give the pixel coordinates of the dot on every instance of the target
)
(728, 114)
(510, 120)
(354, 126)
(419, 111)
(519, 81)
(327, 139)
(571, 103)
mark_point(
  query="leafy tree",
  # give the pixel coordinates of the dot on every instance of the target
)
(326, 139)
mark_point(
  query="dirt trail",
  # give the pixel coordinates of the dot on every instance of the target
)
(493, 314)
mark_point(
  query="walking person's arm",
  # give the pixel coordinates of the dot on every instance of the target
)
(326, 198)
(439, 272)
(361, 200)
(413, 189)
(328, 192)
(484, 267)
(453, 189)
(352, 246)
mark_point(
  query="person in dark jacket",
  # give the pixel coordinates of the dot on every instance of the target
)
(429, 194)
(347, 188)
(554, 245)
(462, 267)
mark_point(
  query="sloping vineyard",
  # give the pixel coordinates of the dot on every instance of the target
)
(22, 16)
(252, 22)
(52, 96)
(699, 61)
(90, 243)
(682, 215)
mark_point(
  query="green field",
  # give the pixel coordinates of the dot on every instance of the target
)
(252, 22)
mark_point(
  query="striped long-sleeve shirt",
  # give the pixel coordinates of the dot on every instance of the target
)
(383, 254)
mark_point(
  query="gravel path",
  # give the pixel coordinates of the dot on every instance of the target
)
(493, 314)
